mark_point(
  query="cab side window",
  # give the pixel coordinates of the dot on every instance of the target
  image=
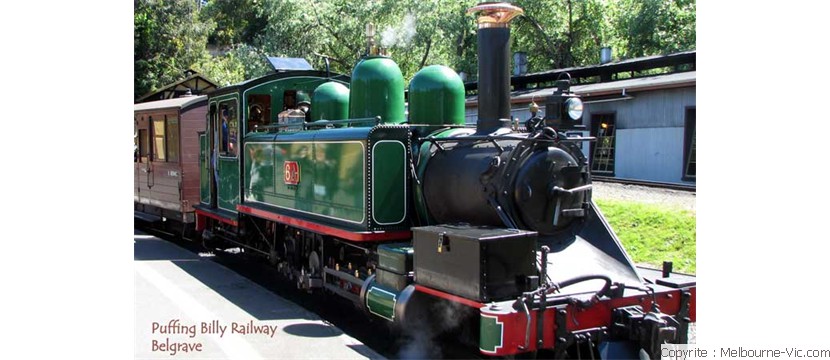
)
(228, 127)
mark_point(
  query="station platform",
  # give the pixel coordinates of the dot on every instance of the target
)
(189, 307)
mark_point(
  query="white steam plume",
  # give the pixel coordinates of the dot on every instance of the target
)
(401, 35)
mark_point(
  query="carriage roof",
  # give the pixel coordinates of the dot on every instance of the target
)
(177, 103)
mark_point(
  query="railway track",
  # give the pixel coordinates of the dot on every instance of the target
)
(653, 184)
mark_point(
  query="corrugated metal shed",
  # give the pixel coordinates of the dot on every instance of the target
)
(676, 80)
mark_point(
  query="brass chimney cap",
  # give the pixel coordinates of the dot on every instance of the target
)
(495, 14)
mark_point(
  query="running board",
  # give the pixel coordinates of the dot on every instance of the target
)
(146, 217)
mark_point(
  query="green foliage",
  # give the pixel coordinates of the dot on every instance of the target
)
(225, 69)
(652, 234)
(171, 37)
(239, 63)
(649, 27)
(237, 21)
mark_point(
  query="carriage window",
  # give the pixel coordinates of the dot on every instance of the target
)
(158, 140)
(172, 141)
(229, 125)
(143, 144)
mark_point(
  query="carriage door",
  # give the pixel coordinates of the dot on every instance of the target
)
(142, 159)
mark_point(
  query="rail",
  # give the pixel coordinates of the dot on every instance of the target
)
(654, 184)
(319, 123)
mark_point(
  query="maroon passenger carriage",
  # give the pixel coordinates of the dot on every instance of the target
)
(166, 169)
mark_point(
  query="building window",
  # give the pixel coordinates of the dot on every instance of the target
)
(158, 140)
(603, 127)
(172, 141)
(229, 125)
(689, 158)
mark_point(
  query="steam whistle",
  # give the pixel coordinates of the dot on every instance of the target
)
(371, 46)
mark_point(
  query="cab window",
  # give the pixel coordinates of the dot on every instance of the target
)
(259, 112)
(228, 125)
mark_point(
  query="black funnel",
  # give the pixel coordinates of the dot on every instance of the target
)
(494, 64)
(493, 78)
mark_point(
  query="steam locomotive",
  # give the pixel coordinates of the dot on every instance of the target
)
(487, 233)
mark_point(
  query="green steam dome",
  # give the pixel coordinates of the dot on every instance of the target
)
(436, 97)
(377, 90)
(330, 101)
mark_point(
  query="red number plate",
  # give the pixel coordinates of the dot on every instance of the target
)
(292, 173)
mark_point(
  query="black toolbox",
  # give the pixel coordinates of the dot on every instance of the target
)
(475, 262)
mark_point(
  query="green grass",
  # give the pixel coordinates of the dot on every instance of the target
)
(652, 234)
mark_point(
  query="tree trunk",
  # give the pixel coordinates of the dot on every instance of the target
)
(568, 55)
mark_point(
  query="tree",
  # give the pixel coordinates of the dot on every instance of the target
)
(560, 34)
(169, 39)
(237, 21)
(650, 27)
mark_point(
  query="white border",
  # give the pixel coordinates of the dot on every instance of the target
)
(394, 302)
(405, 205)
(363, 147)
(501, 336)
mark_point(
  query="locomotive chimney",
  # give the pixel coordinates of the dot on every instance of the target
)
(494, 63)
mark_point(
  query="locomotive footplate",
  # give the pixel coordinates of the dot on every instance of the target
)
(622, 314)
(204, 212)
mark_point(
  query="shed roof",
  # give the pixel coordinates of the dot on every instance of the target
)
(194, 82)
(605, 72)
(657, 82)
(178, 103)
